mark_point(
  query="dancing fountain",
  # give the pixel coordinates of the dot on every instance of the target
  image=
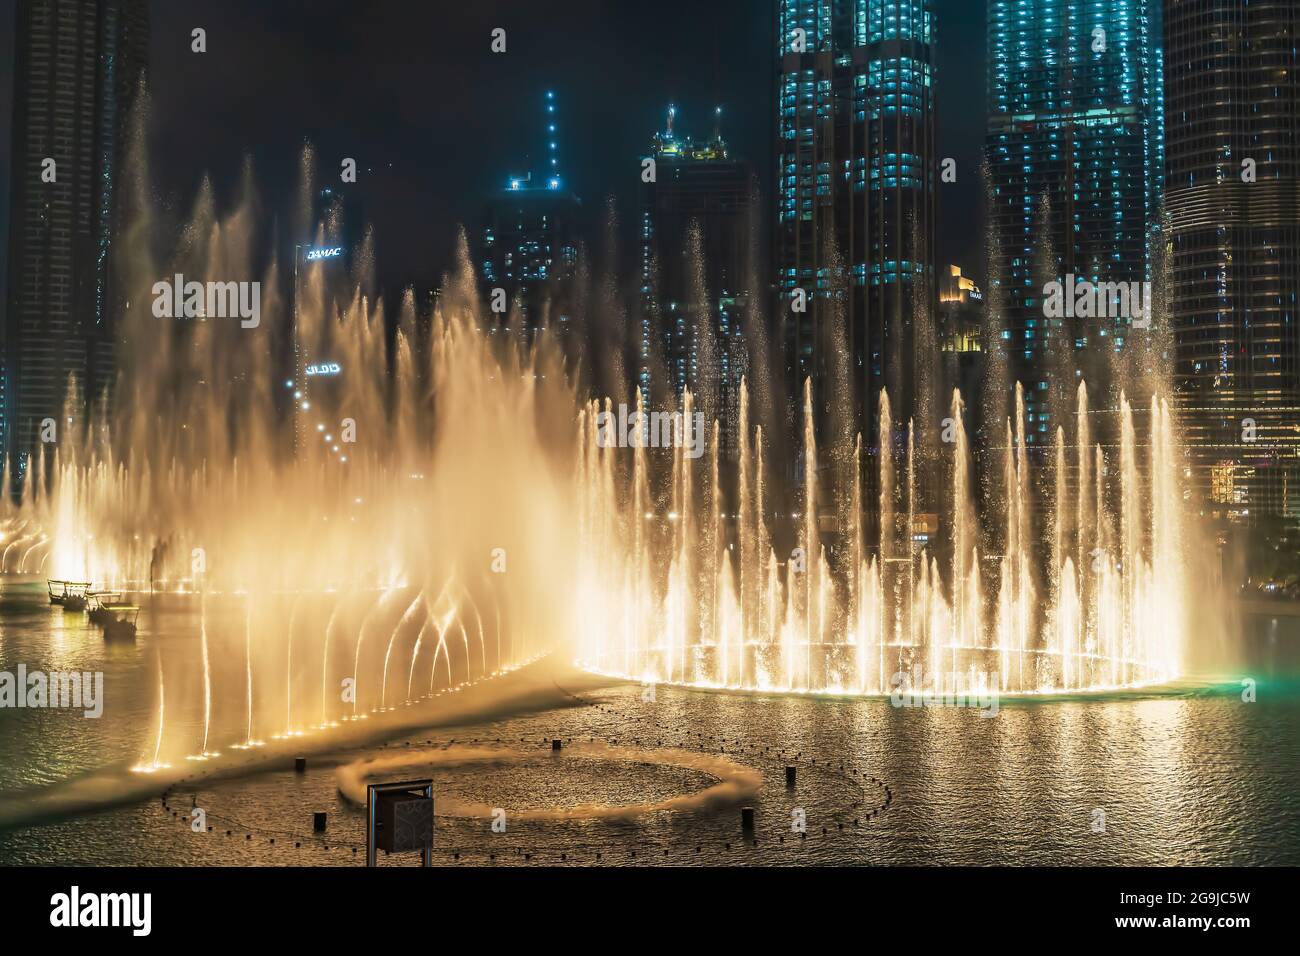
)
(1105, 610)
(448, 510)
(307, 555)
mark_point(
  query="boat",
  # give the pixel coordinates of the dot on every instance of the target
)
(120, 623)
(96, 605)
(74, 595)
(70, 595)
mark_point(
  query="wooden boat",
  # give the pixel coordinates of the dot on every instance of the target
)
(120, 624)
(56, 589)
(74, 595)
(96, 605)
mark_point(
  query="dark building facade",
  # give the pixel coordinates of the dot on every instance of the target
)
(532, 230)
(695, 236)
(1075, 160)
(79, 66)
(1233, 100)
(856, 195)
(530, 244)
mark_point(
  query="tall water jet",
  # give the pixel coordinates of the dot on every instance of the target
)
(207, 674)
(744, 531)
(811, 608)
(889, 623)
(248, 665)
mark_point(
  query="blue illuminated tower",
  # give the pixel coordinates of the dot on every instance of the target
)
(529, 243)
(856, 181)
(1075, 155)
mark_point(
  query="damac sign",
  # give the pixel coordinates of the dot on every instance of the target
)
(331, 253)
(326, 368)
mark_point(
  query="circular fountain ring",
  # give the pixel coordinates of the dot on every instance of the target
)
(735, 782)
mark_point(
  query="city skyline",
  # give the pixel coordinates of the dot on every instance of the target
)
(1074, 142)
(694, 58)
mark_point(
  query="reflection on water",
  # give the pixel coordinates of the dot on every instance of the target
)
(1188, 777)
(41, 746)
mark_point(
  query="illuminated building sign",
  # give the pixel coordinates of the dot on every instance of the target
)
(332, 252)
(324, 368)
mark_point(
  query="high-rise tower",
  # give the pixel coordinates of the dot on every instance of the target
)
(1075, 156)
(80, 64)
(530, 239)
(855, 219)
(1233, 101)
(695, 230)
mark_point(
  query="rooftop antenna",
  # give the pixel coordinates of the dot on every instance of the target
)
(552, 143)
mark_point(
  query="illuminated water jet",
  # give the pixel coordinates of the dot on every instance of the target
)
(859, 624)
(295, 557)
(786, 560)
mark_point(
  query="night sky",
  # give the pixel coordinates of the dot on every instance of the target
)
(436, 121)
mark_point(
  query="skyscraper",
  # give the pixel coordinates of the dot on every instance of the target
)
(529, 244)
(323, 287)
(695, 229)
(79, 66)
(856, 175)
(1075, 157)
(1233, 95)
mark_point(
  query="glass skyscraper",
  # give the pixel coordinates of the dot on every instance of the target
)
(695, 244)
(1075, 160)
(1233, 84)
(79, 67)
(531, 233)
(856, 175)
